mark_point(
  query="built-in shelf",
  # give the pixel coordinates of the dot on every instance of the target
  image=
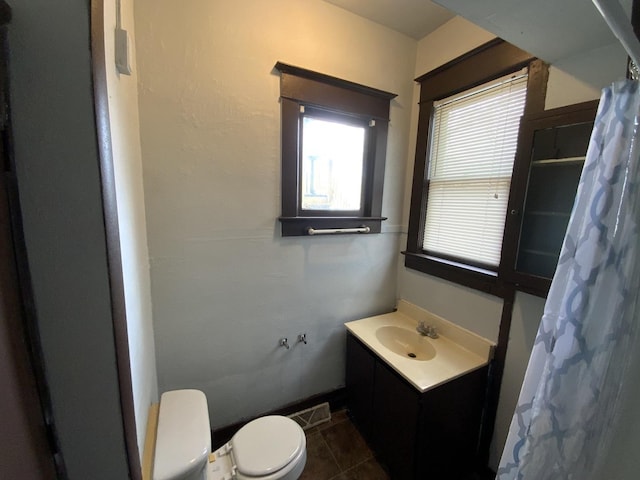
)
(550, 214)
(552, 150)
(556, 161)
(530, 251)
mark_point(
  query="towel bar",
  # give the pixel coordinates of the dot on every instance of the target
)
(328, 231)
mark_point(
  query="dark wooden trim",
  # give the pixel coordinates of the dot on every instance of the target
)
(420, 186)
(337, 400)
(462, 275)
(114, 258)
(537, 87)
(579, 109)
(290, 164)
(496, 372)
(315, 93)
(571, 114)
(375, 177)
(490, 60)
(322, 95)
(460, 59)
(328, 79)
(635, 18)
(298, 226)
(635, 24)
(485, 63)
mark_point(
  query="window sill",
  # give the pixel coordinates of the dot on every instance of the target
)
(473, 277)
(298, 226)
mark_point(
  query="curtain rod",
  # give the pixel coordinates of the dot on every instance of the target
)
(615, 16)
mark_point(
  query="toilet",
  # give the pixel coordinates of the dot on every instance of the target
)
(268, 448)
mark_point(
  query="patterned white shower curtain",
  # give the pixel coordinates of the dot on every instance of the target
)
(563, 422)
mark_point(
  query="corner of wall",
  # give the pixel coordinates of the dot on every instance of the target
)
(127, 159)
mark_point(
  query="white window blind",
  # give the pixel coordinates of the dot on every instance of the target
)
(473, 145)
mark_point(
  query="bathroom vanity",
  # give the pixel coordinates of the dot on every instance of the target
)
(421, 414)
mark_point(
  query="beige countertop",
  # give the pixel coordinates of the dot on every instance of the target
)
(457, 351)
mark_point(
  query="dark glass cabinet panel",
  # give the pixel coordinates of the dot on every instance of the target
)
(557, 159)
(552, 149)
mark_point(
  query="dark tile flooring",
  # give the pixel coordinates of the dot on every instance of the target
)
(337, 451)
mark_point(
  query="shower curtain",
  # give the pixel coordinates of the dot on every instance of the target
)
(579, 364)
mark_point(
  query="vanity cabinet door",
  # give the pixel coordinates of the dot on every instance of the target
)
(396, 407)
(359, 379)
(449, 425)
(551, 150)
(421, 436)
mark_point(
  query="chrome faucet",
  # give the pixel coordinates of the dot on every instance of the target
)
(427, 330)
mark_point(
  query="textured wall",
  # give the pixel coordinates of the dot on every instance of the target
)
(225, 285)
(127, 161)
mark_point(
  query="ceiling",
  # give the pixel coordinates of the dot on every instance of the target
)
(415, 18)
(549, 29)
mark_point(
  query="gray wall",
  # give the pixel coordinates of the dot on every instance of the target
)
(225, 285)
(57, 162)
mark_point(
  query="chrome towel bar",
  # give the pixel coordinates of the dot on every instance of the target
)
(329, 231)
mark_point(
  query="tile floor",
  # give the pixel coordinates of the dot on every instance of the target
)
(337, 451)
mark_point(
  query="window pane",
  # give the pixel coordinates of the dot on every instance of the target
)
(474, 139)
(332, 162)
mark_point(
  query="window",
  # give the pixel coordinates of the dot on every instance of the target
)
(332, 170)
(473, 145)
(334, 137)
(470, 113)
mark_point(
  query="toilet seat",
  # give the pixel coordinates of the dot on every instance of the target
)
(268, 448)
(266, 445)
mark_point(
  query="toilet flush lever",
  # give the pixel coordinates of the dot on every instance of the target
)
(284, 343)
(302, 338)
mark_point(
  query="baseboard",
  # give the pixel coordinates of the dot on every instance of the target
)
(150, 441)
(337, 400)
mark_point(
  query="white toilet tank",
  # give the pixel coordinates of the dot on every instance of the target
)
(183, 440)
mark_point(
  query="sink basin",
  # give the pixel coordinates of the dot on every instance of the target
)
(406, 343)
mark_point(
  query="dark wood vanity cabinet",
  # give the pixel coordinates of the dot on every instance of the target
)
(551, 151)
(427, 436)
(361, 365)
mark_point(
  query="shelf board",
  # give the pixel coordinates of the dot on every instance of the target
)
(555, 161)
(548, 214)
(541, 253)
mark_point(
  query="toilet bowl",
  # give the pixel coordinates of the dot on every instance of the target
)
(268, 448)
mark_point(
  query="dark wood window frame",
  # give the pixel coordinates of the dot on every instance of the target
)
(483, 64)
(305, 88)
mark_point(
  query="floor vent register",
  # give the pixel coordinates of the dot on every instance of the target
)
(312, 416)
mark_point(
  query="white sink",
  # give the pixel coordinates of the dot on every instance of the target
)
(406, 343)
(423, 362)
